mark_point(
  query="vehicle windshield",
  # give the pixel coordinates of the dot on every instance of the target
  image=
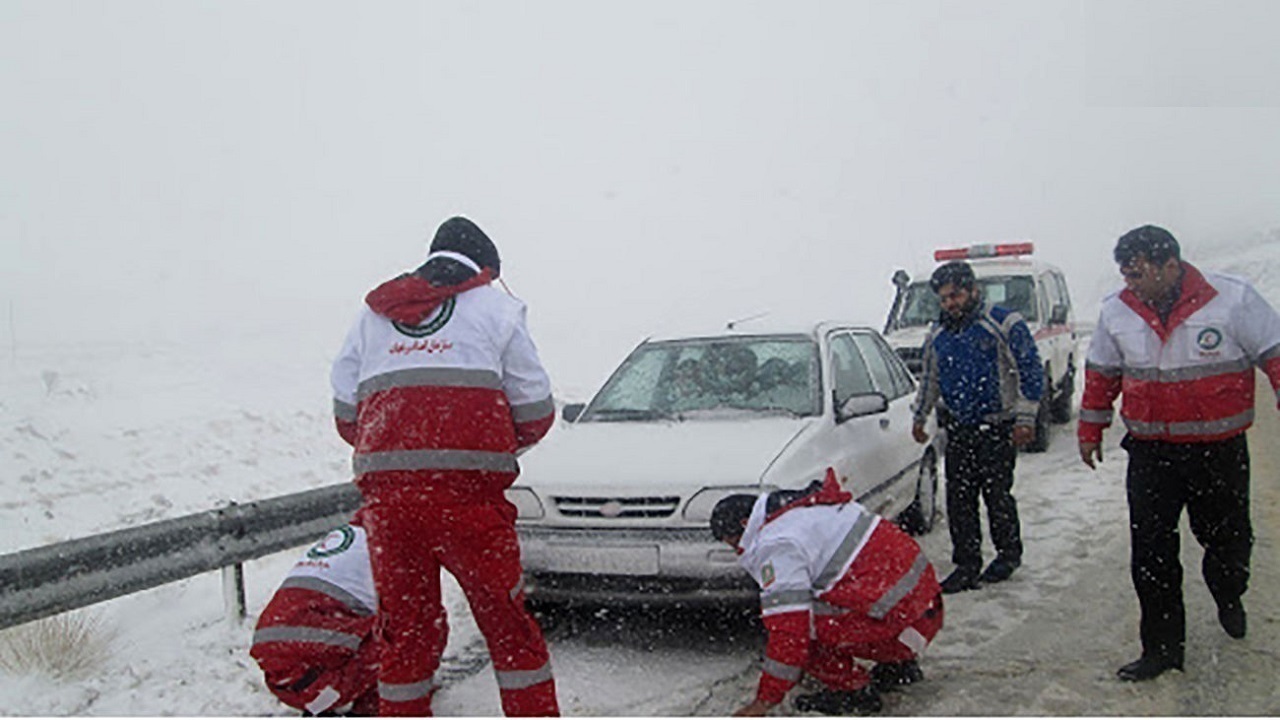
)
(710, 377)
(1015, 292)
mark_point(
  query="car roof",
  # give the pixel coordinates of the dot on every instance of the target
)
(757, 327)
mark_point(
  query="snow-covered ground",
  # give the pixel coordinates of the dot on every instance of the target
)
(95, 438)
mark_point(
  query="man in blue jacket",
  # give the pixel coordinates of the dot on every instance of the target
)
(982, 374)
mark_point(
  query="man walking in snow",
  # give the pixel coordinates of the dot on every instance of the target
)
(838, 583)
(438, 387)
(314, 639)
(983, 374)
(1181, 345)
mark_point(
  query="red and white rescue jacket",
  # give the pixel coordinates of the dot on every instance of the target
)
(828, 566)
(441, 380)
(1188, 380)
(316, 624)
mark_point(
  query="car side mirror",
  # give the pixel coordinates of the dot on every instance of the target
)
(572, 411)
(860, 405)
(1059, 315)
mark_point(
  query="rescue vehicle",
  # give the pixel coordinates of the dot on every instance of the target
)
(1007, 276)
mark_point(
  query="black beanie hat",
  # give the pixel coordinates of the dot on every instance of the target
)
(460, 235)
(956, 272)
(729, 515)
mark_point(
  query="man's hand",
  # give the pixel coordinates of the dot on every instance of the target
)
(755, 709)
(1089, 451)
(1023, 435)
(917, 432)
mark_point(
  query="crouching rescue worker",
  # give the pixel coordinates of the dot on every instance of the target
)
(438, 387)
(314, 639)
(837, 583)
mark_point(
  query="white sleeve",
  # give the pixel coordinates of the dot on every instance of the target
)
(344, 377)
(524, 380)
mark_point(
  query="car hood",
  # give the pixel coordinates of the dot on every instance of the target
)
(597, 457)
(911, 337)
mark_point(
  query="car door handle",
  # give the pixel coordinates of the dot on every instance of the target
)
(884, 423)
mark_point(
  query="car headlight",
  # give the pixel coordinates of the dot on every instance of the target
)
(528, 506)
(699, 507)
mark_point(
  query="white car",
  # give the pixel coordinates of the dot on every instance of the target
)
(615, 505)
(1007, 276)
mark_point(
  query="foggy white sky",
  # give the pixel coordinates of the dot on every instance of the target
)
(183, 171)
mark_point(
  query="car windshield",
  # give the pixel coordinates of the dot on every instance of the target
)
(1015, 292)
(715, 376)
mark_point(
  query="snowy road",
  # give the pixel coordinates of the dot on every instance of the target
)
(1045, 643)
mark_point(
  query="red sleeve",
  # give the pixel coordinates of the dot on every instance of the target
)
(1271, 367)
(347, 429)
(531, 431)
(1100, 393)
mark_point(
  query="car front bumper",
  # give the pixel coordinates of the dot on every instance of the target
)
(659, 565)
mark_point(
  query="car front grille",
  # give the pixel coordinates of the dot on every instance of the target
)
(617, 507)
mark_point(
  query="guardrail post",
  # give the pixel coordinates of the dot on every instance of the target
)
(233, 593)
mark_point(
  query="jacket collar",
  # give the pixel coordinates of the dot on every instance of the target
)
(410, 299)
(1196, 292)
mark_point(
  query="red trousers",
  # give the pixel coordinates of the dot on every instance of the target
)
(411, 537)
(842, 640)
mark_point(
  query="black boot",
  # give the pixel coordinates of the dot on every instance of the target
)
(863, 701)
(1231, 615)
(891, 676)
(999, 570)
(962, 578)
(1148, 667)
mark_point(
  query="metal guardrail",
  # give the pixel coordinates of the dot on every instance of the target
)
(48, 580)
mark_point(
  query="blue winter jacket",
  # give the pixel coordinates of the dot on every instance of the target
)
(986, 371)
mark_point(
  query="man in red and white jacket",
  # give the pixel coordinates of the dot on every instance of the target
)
(838, 583)
(314, 639)
(1180, 345)
(438, 387)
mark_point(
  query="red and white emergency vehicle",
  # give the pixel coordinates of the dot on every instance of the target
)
(1007, 276)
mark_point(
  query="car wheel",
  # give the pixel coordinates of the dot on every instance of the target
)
(1061, 410)
(918, 518)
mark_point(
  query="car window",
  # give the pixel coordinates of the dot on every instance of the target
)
(849, 374)
(903, 384)
(1015, 292)
(698, 377)
(876, 365)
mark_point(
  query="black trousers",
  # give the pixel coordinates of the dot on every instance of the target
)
(1211, 480)
(979, 464)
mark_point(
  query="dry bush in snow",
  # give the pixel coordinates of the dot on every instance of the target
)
(67, 645)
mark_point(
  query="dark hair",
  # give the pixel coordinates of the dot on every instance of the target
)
(729, 515)
(956, 272)
(1155, 244)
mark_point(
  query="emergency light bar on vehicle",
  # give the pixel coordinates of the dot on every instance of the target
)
(984, 251)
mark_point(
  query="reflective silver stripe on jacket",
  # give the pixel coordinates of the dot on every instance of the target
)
(1180, 429)
(770, 600)
(1110, 371)
(515, 591)
(429, 377)
(534, 410)
(1102, 417)
(295, 633)
(407, 692)
(521, 679)
(344, 411)
(434, 460)
(325, 587)
(852, 541)
(1193, 372)
(782, 671)
(900, 589)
